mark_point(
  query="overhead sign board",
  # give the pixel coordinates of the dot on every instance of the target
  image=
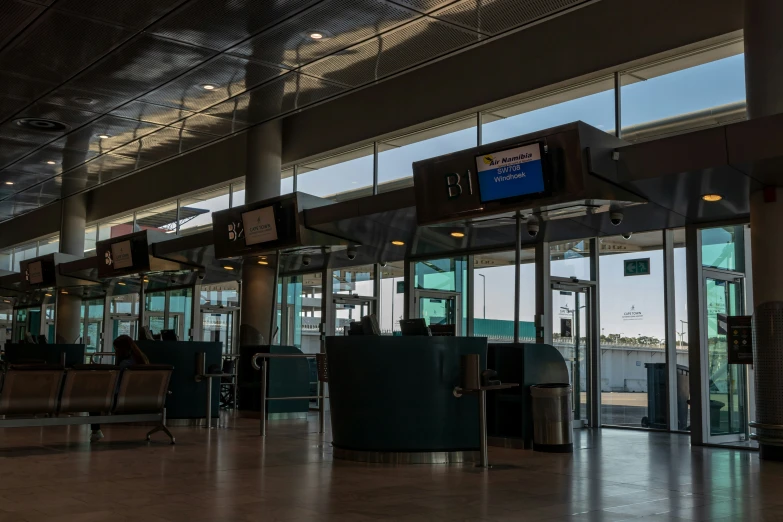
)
(511, 173)
(256, 228)
(39, 272)
(124, 255)
(35, 273)
(121, 254)
(637, 267)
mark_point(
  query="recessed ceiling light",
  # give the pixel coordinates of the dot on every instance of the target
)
(121, 283)
(47, 295)
(6, 301)
(146, 280)
(104, 136)
(316, 36)
(397, 242)
(712, 197)
(209, 87)
(458, 234)
(50, 162)
(263, 262)
(228, 267)
(64, 292)
(9, 182)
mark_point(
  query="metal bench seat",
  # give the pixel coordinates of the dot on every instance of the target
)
(30, 389)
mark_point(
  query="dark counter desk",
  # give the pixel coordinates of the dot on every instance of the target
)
(392, 398)
(187, 403)
(44, 353)
(286, 378)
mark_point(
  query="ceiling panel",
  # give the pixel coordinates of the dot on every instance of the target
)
(225, 76)
(150, 112)
(290, 92)
(341, 22)
(496, 16)
(219, 25)
(60, 44)
(126, 78)
(392, 52)
(129, 13)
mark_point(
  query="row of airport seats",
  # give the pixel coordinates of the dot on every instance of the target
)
(51, 395)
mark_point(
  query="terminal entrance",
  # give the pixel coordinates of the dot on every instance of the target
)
(348, 309)
(571, 336)
(728, 397)
(440, 309)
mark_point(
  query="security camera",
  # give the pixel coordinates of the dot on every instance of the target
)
(626, 235)
(616, 217)
(202, 275)
(306, 260)
(383, 264)
(532, 227)
(351, 253)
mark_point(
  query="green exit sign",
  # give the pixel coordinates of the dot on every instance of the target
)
(635, 267)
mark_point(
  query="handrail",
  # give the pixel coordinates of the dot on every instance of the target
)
(263, 368)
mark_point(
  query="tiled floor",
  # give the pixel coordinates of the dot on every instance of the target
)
(54, 475)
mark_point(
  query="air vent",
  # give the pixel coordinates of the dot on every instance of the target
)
(41, 125)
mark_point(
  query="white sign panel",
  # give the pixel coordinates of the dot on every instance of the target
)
(121, 254)
(259, 226)
(35, 273)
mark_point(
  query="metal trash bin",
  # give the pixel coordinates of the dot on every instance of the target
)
(552, 418)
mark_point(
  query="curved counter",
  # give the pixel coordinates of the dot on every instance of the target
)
(394, 395)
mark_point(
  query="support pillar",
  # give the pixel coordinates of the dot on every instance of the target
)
(764, 86)
(259, 282)
(73, 221)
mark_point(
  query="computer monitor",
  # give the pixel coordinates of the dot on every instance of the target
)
(414, 327)
(370, 325)
(443, 330)
(168, 335)
(354, 328)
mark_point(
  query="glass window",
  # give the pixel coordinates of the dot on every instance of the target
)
(633, 331)
(356, 280)
(570, 259)
(115, 227)
(180, 314)
(49, 245)
(527, 296)
(396, 155)
(286, 181)
(223, 295)
(124, 304)
(340, 177)
(195, 212)
(681, 325)
(310, 311)
(24, 252)
(90, 238)
(493, 296)
(687, 92)
(434, 280)
(6, 258)
(392, 297)
(723, 247)
(592, 103)
(162, 218)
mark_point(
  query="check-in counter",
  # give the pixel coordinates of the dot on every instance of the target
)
(286, 378)
(509, 412)
(187, 403)
(392, 398)
(69, 354)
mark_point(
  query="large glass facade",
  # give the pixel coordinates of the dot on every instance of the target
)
(441, 287)
(493, 299)
(340, 177)
(392, 299)
(633, 331)
(570, 259)
(195, 212)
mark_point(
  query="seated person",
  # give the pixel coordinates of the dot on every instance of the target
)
(127, 353)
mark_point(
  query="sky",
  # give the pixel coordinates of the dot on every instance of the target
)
(701, 87)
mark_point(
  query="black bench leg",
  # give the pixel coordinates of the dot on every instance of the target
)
(164, 429)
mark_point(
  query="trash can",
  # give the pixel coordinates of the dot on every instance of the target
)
(552, 418)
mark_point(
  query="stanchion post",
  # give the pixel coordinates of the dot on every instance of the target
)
(209, 402)
(484, 462)
(263, 398)
(321, 406)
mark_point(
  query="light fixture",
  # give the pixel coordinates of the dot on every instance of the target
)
(9, 182)
(228, 267)
(121, 283)
(50, 162)
(104, 136)
(397, 242)
(64, 292)
(6, 301)
(47, 295)
(146, 280)
(458, 234)
(316, 36)
(209, 87)
(712, 197)
(263, 262)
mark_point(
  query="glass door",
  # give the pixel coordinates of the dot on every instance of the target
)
(726, 409)
(218, 327)
(571, 336)
(440, 308)
(351, 309)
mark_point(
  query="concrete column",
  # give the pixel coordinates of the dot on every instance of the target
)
(68, 307)
(259, 282)
(764, 86)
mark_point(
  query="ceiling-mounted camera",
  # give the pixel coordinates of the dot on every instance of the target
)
(627, 235)
(351, 253)
(616, 217)
(533, 226)
(306, 260)
(383, 264)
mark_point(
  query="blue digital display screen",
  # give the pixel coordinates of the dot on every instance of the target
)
(511, 173)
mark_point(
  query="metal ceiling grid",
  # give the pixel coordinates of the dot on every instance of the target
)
(127, 78)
